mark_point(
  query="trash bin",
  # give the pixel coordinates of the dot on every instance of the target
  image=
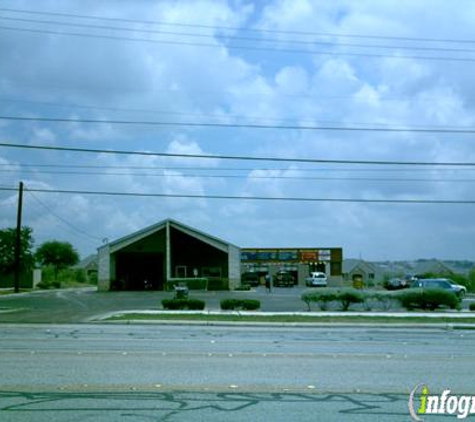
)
(181, 292)
(358, 282)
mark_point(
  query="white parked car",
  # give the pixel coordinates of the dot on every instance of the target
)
(316, 279)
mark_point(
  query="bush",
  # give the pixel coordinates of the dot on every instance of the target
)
(250, 304)
(243, 288)
(347, 297)
(183, 304)
(385, 299)
(434, 298)
(218, 284)
(49, 284)
(67, 277)
(191, 283)
(237, 304)
(468, 282)
(472, 306)
(195, 304)
(322, 296)
(428, 299)
(229, 304)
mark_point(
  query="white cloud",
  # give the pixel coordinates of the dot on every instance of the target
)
(127, 80)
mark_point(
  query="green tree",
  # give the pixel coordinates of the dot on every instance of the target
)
(471, 280)
(57, 254)
(7, 249)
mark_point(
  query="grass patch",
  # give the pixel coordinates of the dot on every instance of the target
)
(289, 318)
(12, 291)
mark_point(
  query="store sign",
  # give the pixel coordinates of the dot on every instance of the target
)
(286, 255)
(324, 255)
(308, 256)
(290, 255)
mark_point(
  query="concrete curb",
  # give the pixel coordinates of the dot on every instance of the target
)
(361, 324)
(438, 326)
(460, 314)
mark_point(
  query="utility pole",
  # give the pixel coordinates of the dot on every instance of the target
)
(18, 239)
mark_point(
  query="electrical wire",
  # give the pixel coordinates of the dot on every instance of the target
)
(234, 157)
(237, 47)
(214, 169)
(252, 198)
(228, 37)
(463, 130)
(314, 96)
(231, 28)
(201, 115)
(63, 220)
(245, 177)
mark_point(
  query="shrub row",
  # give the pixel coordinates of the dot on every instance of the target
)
(409, 299)
(49, 284)
(243, 288)
(183, 304)
(472, 306)
(191, 283)
(428, 299)
(237, 304)
(215, 284)
(201, 283)
(323, 297)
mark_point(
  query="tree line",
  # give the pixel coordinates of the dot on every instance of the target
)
(53, 253)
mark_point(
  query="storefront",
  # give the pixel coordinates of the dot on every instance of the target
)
(299, 262)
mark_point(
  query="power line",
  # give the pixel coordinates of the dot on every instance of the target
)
(176, 113)
(63, 220)
(215, 169)
(238, 38)
(314, 96)
(237, 47)
(246, 177)
(468, 130)
(234, 157)
(251, 30)
(201, 115)
(253, 198)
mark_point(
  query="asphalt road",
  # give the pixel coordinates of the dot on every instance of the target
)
(107, 372)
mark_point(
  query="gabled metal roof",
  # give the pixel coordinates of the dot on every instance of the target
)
(147, 231)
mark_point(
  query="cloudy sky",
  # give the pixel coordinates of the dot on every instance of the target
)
(368, 80)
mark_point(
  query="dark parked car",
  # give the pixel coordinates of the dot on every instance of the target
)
(396, 284)
(251, 279)
(283, 279)
(441, 283)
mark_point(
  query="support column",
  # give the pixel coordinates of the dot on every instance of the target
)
(168, 252)
(16, 283)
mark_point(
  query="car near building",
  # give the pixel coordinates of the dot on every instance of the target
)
(317, 279)
(396, 284)
(283, 279)
(440, 283)
(251, 279)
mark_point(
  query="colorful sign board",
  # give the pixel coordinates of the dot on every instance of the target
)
(286, 255)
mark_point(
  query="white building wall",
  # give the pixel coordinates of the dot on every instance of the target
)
(234, 266)
(104, 269)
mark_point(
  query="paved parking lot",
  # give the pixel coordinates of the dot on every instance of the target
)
(79, 305)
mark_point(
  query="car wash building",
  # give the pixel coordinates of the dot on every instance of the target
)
(299, 262)
(163, 252)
